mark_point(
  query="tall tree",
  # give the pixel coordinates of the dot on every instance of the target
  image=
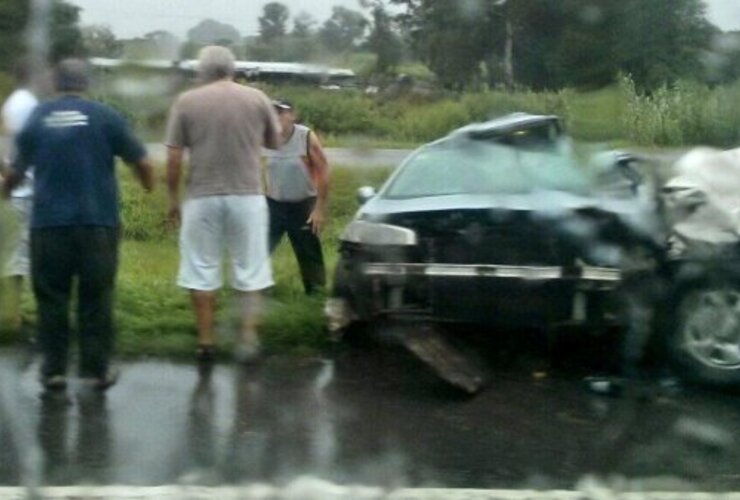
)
(99, 41)
(303, 25)
(165, 44)
(548, 44)
(661, 41)
(65, 38)
(273, 21)
(384, 40)
(209, 31)
(450, 37)
(13, 19)
(343, 30)
(303, 41)
(64, 31)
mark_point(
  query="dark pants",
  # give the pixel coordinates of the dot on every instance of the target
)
(58, 255)
(290, 218)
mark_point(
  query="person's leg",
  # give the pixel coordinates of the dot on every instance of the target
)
(307, 248)
(53, 265)
(201, 237)
(18, 265)
(277, 222)
(13, 298)
(252, 310)
(98, 257)
(204, 307)
(247, 240)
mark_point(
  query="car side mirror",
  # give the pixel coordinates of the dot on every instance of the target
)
(364, 194)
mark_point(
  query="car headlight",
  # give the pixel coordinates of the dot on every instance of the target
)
(373, 233)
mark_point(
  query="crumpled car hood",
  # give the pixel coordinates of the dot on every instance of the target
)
(702, 198)
(637, 213)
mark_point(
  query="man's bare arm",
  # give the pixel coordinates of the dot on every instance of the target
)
(144, 172)
(273, 132)
(12, 181)
(4, 168)
(319, 168)
(174, 173)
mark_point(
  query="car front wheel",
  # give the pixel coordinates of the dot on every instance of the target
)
(705, 341)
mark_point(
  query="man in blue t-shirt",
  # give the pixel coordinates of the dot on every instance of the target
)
(72, 143)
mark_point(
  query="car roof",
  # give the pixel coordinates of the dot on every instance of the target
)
(504, 125)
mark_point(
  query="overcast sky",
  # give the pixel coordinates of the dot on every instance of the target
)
(130, 18)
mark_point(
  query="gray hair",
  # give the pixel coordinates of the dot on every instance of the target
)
(72, 75)
(215, 63)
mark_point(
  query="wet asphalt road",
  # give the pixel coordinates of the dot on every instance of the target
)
(369, 416)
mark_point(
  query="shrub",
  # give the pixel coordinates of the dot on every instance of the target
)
(143, 216)
(686, 113)
(6, 86)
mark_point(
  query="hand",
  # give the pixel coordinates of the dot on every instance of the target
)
(316, 220)
(174, 216)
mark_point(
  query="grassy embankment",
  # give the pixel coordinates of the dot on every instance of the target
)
(154, 316)
(683, 115)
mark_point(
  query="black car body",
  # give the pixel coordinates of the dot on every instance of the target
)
(501, 222)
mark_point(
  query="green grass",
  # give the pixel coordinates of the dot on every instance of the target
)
(597, 116)
(153, 314)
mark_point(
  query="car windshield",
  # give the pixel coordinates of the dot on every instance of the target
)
(470, 166)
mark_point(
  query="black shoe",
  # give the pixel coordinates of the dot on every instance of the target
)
(102, 383)
(54, 383)
(205, 353)
(605, 386)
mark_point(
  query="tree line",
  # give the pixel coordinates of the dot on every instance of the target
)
(466, 44)
(567, 43)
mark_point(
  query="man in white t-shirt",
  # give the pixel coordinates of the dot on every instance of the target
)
(15, 112)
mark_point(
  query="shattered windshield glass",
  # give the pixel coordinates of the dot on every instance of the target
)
(470, 166)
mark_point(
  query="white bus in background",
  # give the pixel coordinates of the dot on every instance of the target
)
(247, 71)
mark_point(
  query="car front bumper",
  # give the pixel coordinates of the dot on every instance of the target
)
(517, 295)
(608, 278)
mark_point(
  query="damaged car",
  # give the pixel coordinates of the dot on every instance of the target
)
(700, 314)
(500, 223)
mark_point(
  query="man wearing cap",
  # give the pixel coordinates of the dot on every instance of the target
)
(297, 188)
(223, 126)
(72, 143)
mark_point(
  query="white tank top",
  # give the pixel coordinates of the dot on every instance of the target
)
(288, 177)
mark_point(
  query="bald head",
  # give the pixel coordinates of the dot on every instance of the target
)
(215, 63)
(72, 75)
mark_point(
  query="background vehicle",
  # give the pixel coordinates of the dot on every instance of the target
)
(700, 316)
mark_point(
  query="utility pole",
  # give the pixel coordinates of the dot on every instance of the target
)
(508, 65)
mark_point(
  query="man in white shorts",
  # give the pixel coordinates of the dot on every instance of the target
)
(223, 126)
(15, 113)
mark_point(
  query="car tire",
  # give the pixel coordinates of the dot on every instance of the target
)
(703, 342)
